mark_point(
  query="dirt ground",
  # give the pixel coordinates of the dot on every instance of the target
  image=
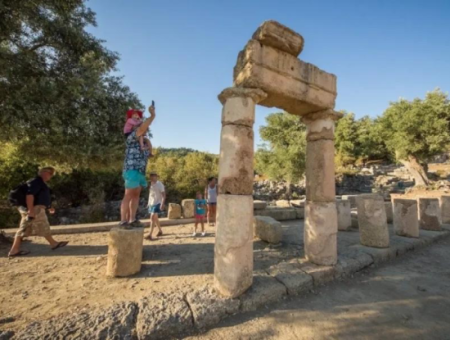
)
(48, 283)
(406, 299)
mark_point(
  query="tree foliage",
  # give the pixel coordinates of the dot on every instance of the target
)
(58, 99)
(283, 155)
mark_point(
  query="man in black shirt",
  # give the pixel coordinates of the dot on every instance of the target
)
(34, 220)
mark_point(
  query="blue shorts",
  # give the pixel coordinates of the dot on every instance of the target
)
(134, 179)
(155, 209)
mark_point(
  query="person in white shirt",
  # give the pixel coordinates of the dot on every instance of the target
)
(156, 200)
(211, 197)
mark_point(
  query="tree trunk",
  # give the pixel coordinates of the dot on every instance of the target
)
(416, 170)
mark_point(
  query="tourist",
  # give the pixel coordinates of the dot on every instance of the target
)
(156, 199)
(134, 120)
(211, 197)
(36, 199)
(200, 212)
(134, 168)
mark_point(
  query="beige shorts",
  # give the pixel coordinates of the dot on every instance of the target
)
(39, 226)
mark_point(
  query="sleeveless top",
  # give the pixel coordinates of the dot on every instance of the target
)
(212, 194)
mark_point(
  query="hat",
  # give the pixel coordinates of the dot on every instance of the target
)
(130, 113)
(153, 173)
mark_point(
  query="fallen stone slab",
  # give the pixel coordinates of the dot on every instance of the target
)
(188, 206)
(378, 255)
(320, 274)
(267, 229)
(429, 214)
(300, 213)
(174, 211)
(264, 291)
(163, 316)
(283, 204)
(259, 205)
(297, 203)
(208, 308)
(116, 322)
(279, 214)
(290, 275)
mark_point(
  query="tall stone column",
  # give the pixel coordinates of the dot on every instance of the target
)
(321, 224)
(233, 252)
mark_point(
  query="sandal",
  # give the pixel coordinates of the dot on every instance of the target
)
(160, 233)
(149, 238)
(20, 253)
(60, 245)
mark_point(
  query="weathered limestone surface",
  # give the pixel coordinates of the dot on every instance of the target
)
(280, 214)
(259, 205)
(233, 252)
(373, 228)
(351, 198)
(163, 316)
(321, 233)
(267, 229)
(174, 211)
(188, 206)
(124, 252)
(297, 203)
(272, 33)
(445, 209)
(406, 222)
(283, 204)
(429, 214)
(389, 212)
(236, 160)
(291, 84)
(290, 274)
(239, 105)
(344, 215)
(320, 180)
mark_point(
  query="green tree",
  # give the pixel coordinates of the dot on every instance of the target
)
(59, 101)
(416, 130)
(283, 156)
(346, 139)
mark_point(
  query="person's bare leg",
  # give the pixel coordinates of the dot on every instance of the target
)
(152, 225)
(157, 223)
(16, 245)
(134, 203)
(203, 225)
(208, 213)
(51, 240)
(195, 227)
(125, 206)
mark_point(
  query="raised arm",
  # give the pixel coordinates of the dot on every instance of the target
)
(146, 123)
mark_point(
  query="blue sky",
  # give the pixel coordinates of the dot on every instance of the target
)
(182, 53)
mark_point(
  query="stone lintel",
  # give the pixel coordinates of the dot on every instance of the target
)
(255, 94)
(272, 33)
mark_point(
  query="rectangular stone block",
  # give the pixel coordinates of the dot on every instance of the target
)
(429, 214)
(344, 215)
(373, 228)
(279, 214)
(259, 205)
(320, 234)
(406, 221)
(445, 209)
(236, 160)
(233, 250)
(124, 252)
(272, 33)
(188, 206)
(351, 198)
(291, 84)
(268, 229)
(320, 180)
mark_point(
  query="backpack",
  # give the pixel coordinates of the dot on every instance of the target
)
(17, 196)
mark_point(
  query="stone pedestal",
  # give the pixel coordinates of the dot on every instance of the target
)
(389, 212)
(445, 209)
(344, 215)
(233, 251)
(429, 214)
(406, 222)
(124, 252)
(174, 211)
(320, 212)
(188, 206)
(373, 228)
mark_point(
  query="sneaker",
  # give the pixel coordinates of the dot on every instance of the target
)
(203, 234)
(194, 234)
(136, 224)
(123, 224)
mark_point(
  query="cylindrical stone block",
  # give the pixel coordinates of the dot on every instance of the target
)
(406, 222)
(124, 251)
(233, 250)
(445, 209)
(429, 214)
(239, 111)
(320, 238)
(236, 160)
(373, 228)
(344, 215)
(389, 212)
(320, 181)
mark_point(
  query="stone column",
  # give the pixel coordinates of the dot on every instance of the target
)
(405, 217)
(445, 209)
(344, 215)
(373, 228)
(124, 251)
(233, 251)
(429, 214)
(320, 212)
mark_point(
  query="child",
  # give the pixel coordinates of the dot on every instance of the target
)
(200, 211)
(134, 119)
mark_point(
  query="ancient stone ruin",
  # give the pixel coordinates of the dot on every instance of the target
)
(268, 72)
